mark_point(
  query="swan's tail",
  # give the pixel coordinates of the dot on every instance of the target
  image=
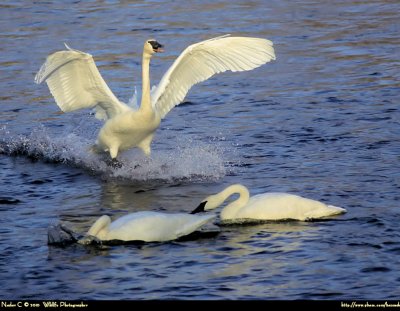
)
(323, 211)
(336, 210)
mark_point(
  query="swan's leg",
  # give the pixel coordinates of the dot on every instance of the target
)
(146, 150)
(145, 145)
(113, 152)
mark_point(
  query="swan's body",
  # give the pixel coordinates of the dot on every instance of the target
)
(147, 226)
(76, 83)
(266, 206)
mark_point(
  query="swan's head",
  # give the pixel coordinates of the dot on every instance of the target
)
(152, 46)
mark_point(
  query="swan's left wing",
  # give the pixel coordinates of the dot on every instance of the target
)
(202, 60)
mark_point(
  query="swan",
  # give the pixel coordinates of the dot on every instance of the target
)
(147, 226)
(75, 83)
(266, 206)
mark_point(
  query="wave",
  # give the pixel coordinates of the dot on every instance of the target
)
(181, 158)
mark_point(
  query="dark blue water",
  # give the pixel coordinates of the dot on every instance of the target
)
(322, 121)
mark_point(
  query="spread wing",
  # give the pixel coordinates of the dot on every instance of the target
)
(202, 60)
(76, 83)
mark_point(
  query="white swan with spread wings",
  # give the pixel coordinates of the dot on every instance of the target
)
(76, 83)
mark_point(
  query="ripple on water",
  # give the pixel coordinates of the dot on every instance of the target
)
(375, 269)
(9, 201)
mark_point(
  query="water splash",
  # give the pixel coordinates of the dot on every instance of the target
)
(182, 159)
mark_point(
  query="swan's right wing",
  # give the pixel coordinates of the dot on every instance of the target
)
(76, 83)
(202, 60)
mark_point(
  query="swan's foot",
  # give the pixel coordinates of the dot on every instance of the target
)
(114, 163)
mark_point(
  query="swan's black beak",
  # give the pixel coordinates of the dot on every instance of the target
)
(157, 47)
(200, 208)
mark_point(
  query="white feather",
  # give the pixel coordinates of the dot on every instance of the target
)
(75, 83)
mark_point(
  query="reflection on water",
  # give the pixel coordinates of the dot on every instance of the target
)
(321, 121)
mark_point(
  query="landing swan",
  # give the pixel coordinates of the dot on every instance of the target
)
(147, 226)
(75, 83)
(266, 206)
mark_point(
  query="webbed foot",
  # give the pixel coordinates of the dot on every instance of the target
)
(114, 163)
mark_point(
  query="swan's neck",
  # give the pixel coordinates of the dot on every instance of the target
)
(100, 227)
(233, 208)
(146, 100)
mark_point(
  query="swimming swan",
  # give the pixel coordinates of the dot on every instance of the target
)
(147, 226)
(266, 206)
(75, 83)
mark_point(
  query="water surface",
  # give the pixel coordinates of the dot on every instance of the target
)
(321, 121)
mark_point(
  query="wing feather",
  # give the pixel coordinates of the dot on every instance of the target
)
(76, 83)
(202, 60)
